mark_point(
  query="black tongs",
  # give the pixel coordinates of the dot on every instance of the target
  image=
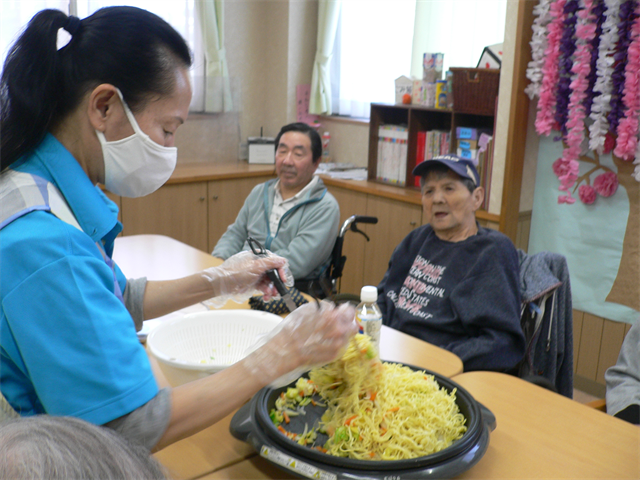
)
(260, 251)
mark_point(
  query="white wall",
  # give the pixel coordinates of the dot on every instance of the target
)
(270, 49)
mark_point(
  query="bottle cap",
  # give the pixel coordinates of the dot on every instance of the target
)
(369, 294)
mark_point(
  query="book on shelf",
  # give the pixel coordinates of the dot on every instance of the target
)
(431, 143)
(391, 164)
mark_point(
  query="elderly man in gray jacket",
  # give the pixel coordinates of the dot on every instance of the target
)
(294, 215)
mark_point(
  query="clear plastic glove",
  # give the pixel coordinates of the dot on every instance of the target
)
(309, 337)
(244, 275)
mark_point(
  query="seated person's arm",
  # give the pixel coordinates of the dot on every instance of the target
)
(314, 241)
(623, 380)
(488, 304)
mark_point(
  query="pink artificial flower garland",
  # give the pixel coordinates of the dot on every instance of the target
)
(606, 184)
(585, 32)
(546, 105)
(628, 126)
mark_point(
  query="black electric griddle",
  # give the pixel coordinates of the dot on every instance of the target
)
(253, 425)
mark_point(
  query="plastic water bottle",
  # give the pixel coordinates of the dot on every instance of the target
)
(369, 316)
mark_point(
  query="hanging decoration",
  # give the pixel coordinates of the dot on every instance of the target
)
(572, 121)
(585, 70)
(604, 68)
(628, 126)
(547, 102)
(538, 46)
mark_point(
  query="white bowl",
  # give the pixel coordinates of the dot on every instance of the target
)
(199, 344)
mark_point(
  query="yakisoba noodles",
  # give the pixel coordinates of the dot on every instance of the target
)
(382, 411)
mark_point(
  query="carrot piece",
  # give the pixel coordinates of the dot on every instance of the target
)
(282, 395)
(350, 419)
(282, 430)
(372, 454)
(286, 417)
(313, 402)
(394, 409)
(373, 396)
(321, 449)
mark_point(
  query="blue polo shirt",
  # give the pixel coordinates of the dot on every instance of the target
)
(68, 345)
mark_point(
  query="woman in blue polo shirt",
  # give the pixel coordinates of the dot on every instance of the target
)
(104, 108)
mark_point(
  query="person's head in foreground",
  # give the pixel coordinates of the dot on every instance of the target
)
(44, 447)
(298, 152)
(450, 196)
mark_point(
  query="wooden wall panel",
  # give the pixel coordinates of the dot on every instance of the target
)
(177, 210)
(395, 221)
(352, 203)
(596, 346)
(577, 333)
(590, 340)
(612, 337)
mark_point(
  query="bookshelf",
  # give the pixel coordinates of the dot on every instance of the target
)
(418, 118)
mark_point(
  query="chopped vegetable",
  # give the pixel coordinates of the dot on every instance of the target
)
(350, 419)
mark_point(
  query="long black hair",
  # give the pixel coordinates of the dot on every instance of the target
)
(127, 47)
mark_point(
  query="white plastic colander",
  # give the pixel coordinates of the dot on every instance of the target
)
(199, 344)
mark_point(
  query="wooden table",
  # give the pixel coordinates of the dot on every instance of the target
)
(539, 434)
(159, 257)
(162, 258)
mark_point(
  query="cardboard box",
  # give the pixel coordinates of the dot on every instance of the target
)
(467, 144)
(491, 57)
(262, 150)
(432, 67)
(417, 92)
(466, 133)
(403, 85)
(467, 153)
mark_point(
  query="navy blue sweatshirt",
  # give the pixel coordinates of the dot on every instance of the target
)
(461, 296)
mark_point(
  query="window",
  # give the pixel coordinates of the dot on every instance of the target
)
(372, 49)
(15, 14)
(379, 40)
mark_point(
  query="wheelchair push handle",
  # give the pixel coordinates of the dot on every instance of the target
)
(352, 222)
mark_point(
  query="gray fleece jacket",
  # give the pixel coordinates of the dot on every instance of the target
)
(546, 295)
(306, 232)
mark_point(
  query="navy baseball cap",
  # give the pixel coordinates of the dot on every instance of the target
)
(462, 166)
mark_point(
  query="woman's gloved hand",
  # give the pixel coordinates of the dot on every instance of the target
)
(244, 275)
(311, 336)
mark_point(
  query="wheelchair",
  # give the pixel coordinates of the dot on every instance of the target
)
(327, 285)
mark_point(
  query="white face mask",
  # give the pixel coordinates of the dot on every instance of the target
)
(136, 166)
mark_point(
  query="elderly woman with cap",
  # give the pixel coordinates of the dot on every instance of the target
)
(451, 282)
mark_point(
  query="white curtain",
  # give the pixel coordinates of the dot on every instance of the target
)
(217, 90)
(380, 40)
(15, 14)
(320, 96)
(458, 28)
(374, 39)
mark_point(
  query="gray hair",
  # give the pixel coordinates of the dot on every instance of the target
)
(65, 448)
